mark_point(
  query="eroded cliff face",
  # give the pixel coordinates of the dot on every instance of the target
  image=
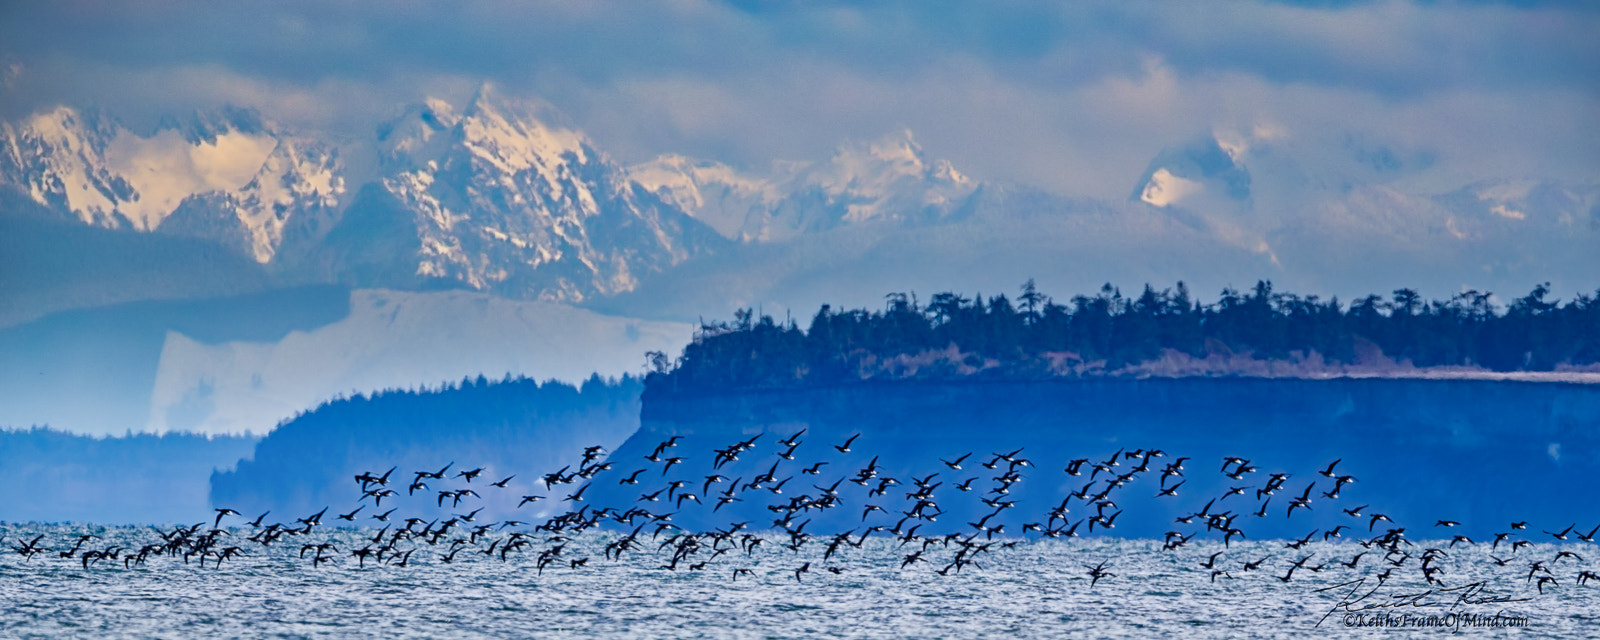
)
(1481, 453)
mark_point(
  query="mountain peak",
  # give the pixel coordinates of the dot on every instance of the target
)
(88, 129)
(871, 166)
(512, 135)
(888, 178)
(503, 194)
(899, 147)
(225, 174)
(420, 131)
(1206, 165)
(206, 125)
(898, 151)
(710, 191)
(517, 135)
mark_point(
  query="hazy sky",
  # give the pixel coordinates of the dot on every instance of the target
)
(1074, 97)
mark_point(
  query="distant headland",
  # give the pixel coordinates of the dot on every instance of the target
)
(1159, 333)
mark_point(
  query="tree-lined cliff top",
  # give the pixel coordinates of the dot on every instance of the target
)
(1166, 332)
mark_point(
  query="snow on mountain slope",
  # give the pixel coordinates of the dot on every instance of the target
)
(1164, 188)
(712, 192)
(1345, 208)
(503, 198)
(889, 179)
(58, 159)
(496, 196)
(1272, 171)
(393, 339)
(230, 163)
(1206, 166)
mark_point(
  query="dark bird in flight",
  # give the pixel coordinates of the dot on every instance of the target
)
(1563, 534)
(955, 464)
(437, 475)
(314, 520)
(1097, 572)
(1543, 580)
(1304, 501)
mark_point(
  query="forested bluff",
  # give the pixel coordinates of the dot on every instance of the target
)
(1166, 333)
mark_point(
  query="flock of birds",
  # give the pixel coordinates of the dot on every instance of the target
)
(643, 529)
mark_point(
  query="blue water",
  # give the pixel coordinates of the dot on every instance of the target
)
(1416, 453)
(1032, 589)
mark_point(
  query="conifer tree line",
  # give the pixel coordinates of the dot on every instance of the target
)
(1531, 333)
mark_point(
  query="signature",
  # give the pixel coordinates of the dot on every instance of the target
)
(1355, 600)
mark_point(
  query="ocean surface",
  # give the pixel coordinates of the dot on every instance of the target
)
(1034, 588)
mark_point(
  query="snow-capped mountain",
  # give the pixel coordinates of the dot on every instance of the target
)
(1344, 205)
(227, 176)
(887, 180)
(1202, 168)
(501, 197)
(1224, 170)
(493, 197)
(715, 193)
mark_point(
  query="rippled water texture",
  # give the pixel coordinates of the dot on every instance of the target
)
(1032, 589)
